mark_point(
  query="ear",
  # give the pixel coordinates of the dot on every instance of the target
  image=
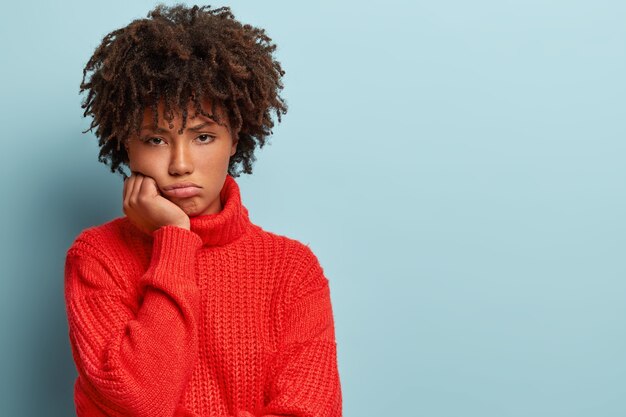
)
(233, 148)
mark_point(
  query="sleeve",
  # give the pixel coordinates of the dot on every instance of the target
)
(134, 361)
(304, 381)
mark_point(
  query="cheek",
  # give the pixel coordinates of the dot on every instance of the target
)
(147, 163)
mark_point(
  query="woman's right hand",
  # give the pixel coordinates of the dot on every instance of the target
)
(147, 208)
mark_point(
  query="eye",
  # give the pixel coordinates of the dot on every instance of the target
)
(148, 140)
(207, 138)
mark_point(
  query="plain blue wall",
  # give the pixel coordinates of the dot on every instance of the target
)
(458, 167)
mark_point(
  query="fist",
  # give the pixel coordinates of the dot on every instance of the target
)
(144, 205)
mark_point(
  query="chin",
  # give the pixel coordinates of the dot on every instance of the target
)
(190, 207)
(191, 212)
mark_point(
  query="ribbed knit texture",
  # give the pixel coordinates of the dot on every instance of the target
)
(225, 320)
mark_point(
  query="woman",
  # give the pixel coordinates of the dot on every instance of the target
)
(184, 307)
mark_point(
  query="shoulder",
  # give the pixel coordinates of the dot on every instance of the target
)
(302, 268)
(107, 239)
(297, 254)
(103, 255)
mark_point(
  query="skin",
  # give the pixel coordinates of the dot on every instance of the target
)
(159, 159)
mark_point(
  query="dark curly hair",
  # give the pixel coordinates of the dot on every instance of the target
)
(178, 54)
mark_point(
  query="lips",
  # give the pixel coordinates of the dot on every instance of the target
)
(182, 190)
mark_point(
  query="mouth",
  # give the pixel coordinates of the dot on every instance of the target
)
(181, 185)
(182, 192)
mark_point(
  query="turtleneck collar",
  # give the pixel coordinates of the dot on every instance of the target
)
(221, 228)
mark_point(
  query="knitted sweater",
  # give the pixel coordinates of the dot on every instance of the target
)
(223, 320)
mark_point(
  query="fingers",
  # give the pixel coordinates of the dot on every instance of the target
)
(134, 194)
(128, 187)
(138, 189)
(124, 191)
(149, 187)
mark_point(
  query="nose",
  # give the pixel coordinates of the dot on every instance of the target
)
(180, 160)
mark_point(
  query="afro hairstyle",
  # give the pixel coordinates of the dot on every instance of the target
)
(179, 55)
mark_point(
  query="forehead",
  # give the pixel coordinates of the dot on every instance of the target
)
(148, 113)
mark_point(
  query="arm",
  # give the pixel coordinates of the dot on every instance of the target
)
(304, 379)
(135, 363)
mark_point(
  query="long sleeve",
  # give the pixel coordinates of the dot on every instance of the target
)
(134, 361)
(304, 380)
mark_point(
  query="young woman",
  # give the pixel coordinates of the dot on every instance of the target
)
(184, 307)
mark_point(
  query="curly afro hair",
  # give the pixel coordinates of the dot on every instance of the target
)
(180, 54)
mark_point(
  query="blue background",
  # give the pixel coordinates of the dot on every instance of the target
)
(458, 168)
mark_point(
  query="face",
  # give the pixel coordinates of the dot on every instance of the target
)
(199, 155)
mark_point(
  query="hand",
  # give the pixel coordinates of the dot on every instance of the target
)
(147, 208)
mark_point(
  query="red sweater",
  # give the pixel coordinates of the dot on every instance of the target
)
(224, 320)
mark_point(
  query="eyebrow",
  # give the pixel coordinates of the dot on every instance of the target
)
(193, 129)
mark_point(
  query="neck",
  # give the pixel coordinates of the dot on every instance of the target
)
(230, 223)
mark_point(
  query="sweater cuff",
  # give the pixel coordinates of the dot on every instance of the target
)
(173, 254)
